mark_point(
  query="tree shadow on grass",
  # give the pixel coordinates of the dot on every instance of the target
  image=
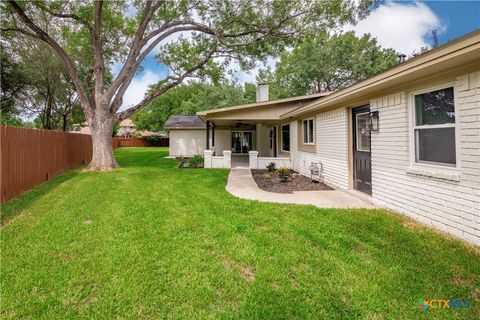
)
(15, 206)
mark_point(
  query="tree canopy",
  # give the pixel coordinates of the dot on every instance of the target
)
(326, 63)
(189, 98)
(35, 85)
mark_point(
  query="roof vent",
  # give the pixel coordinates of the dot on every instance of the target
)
(262, 93)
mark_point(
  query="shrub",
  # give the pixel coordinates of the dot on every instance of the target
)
(153, 140)
(284, 174)
(271, 167)
(195, 161)
(266, 176)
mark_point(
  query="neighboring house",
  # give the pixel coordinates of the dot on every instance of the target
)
(187, 135)
(127, 130)
(408, 138)
(81, 128)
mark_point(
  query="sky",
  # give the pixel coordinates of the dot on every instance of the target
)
(405, 26)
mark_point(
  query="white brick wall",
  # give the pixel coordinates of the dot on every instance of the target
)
(332, 148)
(211, 161)
(262, 162)
(449, 205)
(217, 162)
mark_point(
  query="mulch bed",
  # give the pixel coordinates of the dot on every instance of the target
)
(296, 182)
(183, 163)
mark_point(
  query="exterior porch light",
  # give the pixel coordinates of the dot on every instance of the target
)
(374, 121)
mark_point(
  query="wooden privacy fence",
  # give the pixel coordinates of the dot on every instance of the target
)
(140, 142)
(31, 156)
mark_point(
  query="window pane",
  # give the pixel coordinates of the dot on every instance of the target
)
(305, 132)
(310, 129)
(436, 145)
(436, 107)
(271, 138)
(362, 134)
(286, 137)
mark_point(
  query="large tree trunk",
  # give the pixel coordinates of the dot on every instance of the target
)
(101, 126)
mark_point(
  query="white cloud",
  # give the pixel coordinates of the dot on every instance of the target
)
(138, 87)
(251, 75)
(404, 27)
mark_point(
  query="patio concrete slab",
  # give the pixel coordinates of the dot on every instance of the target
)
(241, 184)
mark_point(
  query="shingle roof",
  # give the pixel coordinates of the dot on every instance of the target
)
(184, 121)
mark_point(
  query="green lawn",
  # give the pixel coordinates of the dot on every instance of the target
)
(151, 241)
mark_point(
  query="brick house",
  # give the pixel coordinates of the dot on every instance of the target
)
(407, 139)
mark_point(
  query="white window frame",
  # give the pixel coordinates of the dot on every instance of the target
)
(356, 133)
(437, 166)
(289, 136)
(305, 121)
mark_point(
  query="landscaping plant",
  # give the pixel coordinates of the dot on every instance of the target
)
(271, 167)
(196, 161)
(284, 174)
(267, 176)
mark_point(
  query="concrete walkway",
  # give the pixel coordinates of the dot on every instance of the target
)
(241, 184)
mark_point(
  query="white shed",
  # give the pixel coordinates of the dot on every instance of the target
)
(187, 135)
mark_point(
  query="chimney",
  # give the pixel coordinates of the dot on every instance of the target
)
(262, 93)
(402, 58)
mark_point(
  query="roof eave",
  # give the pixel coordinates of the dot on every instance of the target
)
(184, 128)
(205, 113)
(464, 45)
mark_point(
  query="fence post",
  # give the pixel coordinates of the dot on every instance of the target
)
(207, 159)
(227, 159)
(253, 159)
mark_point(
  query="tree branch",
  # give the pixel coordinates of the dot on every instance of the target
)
(64, 15)
(22, 31)
(72, 70)
(98, 60)
(161, 90)
(127, 69)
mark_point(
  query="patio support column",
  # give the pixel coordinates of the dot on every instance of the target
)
(207, 145)
(213, 135)
(259, 137)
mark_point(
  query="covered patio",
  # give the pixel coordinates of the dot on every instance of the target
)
(251, 133)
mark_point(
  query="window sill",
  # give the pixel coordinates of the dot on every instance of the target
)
(445, 174)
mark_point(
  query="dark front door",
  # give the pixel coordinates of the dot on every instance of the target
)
(362, 165)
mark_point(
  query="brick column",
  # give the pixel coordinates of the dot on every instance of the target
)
(207, 159)
(253, 159)
(227, 159)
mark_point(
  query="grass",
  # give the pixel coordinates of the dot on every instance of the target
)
(150, 241)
